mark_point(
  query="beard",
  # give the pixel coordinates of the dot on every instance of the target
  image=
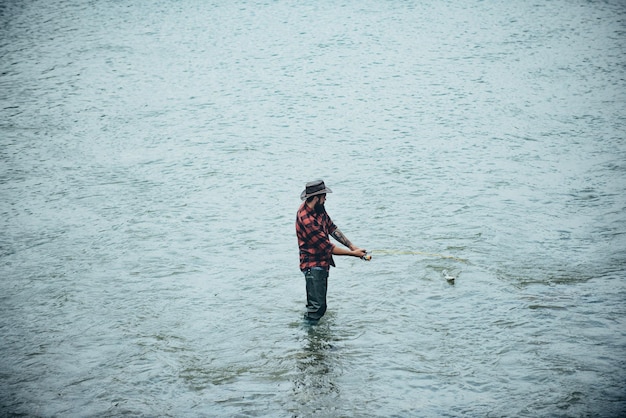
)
(319, 208)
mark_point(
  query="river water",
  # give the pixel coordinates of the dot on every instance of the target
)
(152, 157)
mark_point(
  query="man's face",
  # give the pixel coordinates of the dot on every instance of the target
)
(319, 204)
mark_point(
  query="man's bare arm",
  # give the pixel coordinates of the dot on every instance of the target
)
(340, 237)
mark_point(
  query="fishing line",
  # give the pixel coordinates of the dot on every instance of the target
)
(407, 252)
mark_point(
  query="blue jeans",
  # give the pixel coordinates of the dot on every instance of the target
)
(316, 285)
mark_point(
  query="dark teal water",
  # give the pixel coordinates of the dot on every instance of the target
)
(152, 157)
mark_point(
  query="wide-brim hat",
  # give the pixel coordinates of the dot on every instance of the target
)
(313, 188)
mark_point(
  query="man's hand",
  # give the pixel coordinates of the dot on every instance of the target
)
(358, 252)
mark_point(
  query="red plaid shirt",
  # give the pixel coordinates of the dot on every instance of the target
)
(313, 231)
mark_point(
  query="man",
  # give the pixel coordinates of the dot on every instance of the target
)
(313, 228)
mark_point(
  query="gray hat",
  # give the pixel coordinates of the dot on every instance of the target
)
(313, 188)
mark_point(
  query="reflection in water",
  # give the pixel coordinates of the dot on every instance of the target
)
(315, 384)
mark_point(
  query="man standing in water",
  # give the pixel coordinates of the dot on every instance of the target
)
(314, 228)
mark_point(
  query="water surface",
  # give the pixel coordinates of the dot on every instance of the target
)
(153, 155)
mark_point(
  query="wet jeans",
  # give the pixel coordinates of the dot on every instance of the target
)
(316, 284)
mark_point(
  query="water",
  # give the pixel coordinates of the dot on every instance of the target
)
(153, 154)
